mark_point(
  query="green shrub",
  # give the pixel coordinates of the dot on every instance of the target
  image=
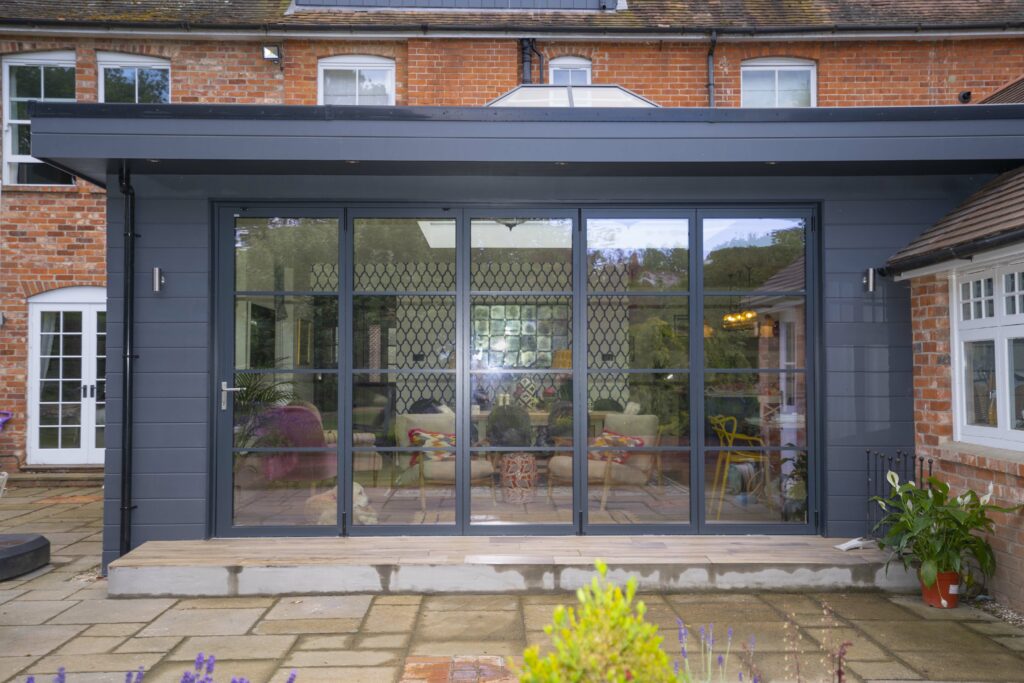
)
(604, 638)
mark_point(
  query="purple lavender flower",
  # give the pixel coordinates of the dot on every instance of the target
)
(128, 677)
(292, 676)
(199, 661)
(703, 634)
(139, 675)
(741, 677)
(209, 664)
(729, 633)
(721, 661)
(31, 679)
(61, 677)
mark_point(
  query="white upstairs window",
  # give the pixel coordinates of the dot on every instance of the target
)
(778, 82)
(356, 80)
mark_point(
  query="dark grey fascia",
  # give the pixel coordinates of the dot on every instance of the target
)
(88, 139)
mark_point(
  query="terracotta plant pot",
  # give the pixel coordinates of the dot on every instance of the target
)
(946, 587)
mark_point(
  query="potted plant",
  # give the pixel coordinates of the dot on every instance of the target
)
(509, 426)
(560, 424)
(937, 534)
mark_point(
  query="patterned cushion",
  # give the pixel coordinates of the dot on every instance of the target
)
(424, 438)
(614, 439)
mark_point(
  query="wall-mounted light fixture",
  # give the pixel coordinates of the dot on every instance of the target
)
(273, 53)
(158, 279)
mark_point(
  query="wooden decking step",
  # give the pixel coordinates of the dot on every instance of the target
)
(490, 564)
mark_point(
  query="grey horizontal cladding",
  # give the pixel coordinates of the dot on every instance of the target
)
(872, 358)
(161, 380)
(461, 4)
(608, 136)
(874, 309)
(871, 409)
(171, 509)
(889, 335)
(866, 384)
(159, 461)
(169, 434)
(858, 432)
(179, 286)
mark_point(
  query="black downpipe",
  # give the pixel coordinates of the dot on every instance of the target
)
(128, 349)
(711, 69)
(524, 47)
(540, 60)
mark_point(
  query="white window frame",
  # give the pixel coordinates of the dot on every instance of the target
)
(355, 63)
(54, 58)
(120, 60)
(570, 64)
(777, 64)
(89, 301)
(1000, 329)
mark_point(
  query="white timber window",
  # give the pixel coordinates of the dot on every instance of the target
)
(778, 82)
(356, 80)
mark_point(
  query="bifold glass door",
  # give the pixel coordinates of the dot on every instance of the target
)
(444, 371)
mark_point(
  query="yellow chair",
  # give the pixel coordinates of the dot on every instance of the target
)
(725, 428)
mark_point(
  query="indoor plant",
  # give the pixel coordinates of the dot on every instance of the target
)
(928, 529)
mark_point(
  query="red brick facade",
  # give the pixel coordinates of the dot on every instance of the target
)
(962, 466)
(52, 238)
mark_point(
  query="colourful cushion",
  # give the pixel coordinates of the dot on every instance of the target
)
(427, 439)
(610, 439)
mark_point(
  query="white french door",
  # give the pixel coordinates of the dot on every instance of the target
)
(67, 377)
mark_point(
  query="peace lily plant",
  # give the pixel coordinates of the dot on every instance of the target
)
(929, 530)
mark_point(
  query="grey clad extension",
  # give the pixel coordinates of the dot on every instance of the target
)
(487, 321)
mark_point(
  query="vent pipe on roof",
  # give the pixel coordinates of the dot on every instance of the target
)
(711, 69)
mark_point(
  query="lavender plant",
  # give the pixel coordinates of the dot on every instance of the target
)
(201, 672)
(706, 665)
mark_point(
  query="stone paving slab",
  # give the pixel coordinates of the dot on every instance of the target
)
(61, 616)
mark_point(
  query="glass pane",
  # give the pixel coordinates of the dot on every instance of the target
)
(754, 253)
(59, 82)
(373, 86)
(753, 331)
(72, 344)
(49, 368)
(71, 437)
(49, 391)
(1011, 280)
(26, 81)
(751, 487)
(19, 110)
(34, 173)
(72, 321)
(524, 254)
(1017, 382)
(49, 437)
(638, 254)
(286, 332)
(386, 407)
(404, 254)
(286, 254)
(339, 86)
(980, 383)
(795, 88)
(661, 402)
(49, 344)
(284, 409)
(561, 76)
(521, 332)
(403, 332)
(758, 88)
(640, 332)
(404, 487)
(49, 414)
(752, 410)
(642, 487)
(154, 86)
(521, 409)
(71, 392)
(101, 440)
(285, 488)
(119, 85)
(521, 488)
(22, 136)
(71, 368)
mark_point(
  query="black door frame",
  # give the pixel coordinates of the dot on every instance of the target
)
(222, 355)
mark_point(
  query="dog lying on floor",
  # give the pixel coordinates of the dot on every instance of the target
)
(322, 508)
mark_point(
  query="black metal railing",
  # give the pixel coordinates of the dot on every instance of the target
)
(878, 465)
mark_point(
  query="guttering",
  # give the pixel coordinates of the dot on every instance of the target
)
(611, 33)
(128, 350)
(961, 252)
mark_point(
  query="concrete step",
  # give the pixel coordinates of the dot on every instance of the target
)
(495, 564)
(57, 477)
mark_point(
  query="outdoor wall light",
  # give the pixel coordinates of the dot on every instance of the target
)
(158, 279)
(272, 53)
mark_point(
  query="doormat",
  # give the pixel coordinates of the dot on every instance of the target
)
(480, 669)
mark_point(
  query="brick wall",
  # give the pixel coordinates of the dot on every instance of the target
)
(963, 466)
(53, 238)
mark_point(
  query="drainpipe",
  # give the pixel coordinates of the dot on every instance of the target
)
(540, 59)
(127, 347)
(524, 47)
(711, 69)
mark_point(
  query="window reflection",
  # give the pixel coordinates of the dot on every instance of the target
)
(980, 383)
(754, 254)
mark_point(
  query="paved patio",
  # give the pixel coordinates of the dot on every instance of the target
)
(60, 616)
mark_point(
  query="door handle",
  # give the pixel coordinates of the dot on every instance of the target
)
(224, 389)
